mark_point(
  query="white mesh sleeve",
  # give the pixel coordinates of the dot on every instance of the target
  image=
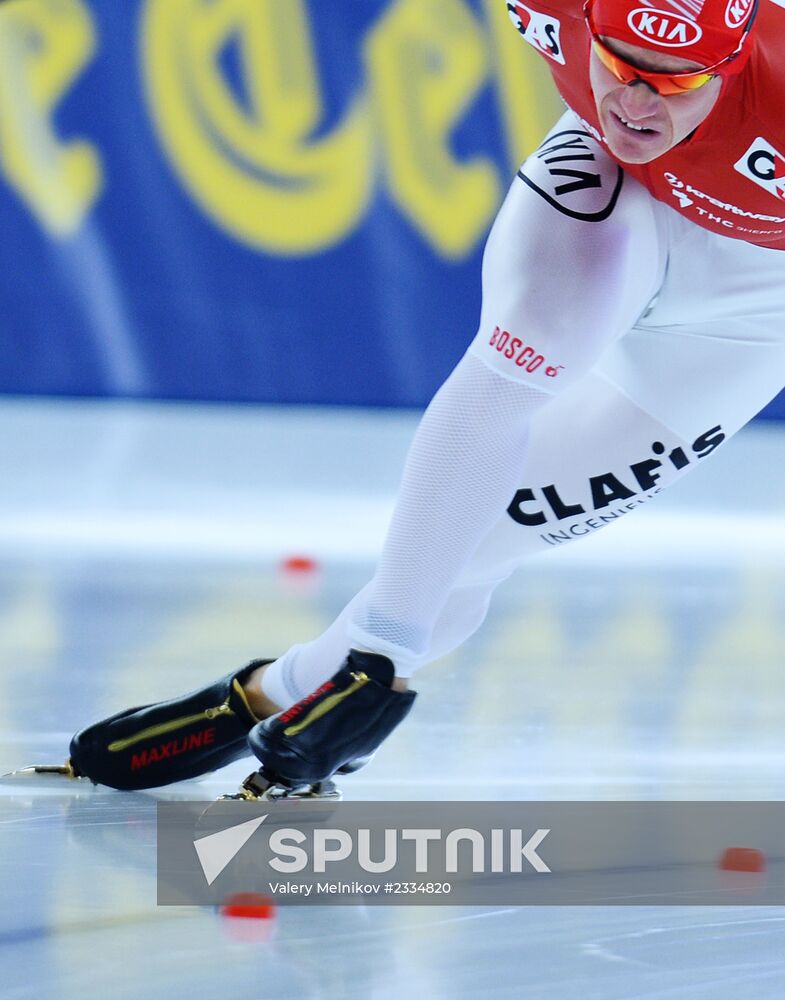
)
(562, 282)
(462, 469)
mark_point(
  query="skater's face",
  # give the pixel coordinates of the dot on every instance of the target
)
(640, 124)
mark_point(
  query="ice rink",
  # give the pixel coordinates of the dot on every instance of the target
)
(139, 556)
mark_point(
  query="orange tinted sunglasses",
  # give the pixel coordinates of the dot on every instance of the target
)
(665, 84)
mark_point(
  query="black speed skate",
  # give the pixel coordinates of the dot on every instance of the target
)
(169, 741)
(335, 729)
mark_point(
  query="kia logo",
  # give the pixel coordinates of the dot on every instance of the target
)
(737, 12)
(672, 31)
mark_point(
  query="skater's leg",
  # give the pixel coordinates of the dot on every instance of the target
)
(303, 667)
(472, 441)
(541, 331)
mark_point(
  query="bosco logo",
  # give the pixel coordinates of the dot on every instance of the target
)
(737, 12)
(672, 31)
(521, 354)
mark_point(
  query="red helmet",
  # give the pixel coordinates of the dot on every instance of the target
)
(705, 31)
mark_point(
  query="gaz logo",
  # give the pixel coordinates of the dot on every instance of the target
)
(672, 31)
(765, 166)
(737, 12)
(538, 29)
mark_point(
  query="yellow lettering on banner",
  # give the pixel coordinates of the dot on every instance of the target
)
(427, 60)
(530, 103)
(44, 45)
(252, 163)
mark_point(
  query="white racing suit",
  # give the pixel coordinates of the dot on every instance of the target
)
(619, 345)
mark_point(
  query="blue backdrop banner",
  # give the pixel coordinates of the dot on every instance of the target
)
(253, 200)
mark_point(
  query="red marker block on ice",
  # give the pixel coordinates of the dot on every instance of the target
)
(742, 859)
(299, 565)
(248, 916)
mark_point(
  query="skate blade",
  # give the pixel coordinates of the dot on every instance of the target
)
(36, 771)
(257, 788)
